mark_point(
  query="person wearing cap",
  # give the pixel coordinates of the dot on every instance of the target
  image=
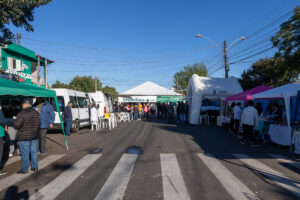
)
(68, 117)
(3, 122)
(47, 120)
(28, 125)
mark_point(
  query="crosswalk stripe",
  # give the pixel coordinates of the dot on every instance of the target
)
(115, 186)
(284, 159)
(231, 183)
(272, 174)
(173, 184)
(10, 180)
(55, 187)
(13, 160)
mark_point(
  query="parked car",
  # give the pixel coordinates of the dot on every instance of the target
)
(80, 109)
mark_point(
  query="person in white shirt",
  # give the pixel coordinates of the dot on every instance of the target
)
(94, 114)
(237, 114)
(249, 120)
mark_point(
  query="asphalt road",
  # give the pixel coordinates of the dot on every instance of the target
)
(177, 162)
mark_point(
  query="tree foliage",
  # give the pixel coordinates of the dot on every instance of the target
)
(19, 13)
(109, 90)
(85, 84)
(184, 75)
(269, 72)
(59, 84)
(284, 66)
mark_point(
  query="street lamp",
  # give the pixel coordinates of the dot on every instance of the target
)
(224, 51)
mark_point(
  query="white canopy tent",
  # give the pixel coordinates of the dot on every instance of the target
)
(285, 92)
(150, 89)
(208, 87)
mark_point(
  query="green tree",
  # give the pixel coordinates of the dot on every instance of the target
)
(85, 84)
(59, 84)
(109, 90)
(287, 40)
(19, 13)
(268, 71)
(184, 75)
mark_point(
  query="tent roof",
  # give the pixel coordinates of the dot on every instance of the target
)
(150, 89)
(289, 89)
(216, 86)
(20, 89)
(247, 95)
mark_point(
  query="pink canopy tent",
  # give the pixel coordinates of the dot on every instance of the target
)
(247, 95)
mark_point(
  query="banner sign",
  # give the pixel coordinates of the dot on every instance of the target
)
(136, 99)
(20, 74)
(165, 99)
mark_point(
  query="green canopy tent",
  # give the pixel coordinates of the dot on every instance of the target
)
(11, 88)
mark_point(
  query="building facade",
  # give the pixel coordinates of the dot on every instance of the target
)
(23, 65)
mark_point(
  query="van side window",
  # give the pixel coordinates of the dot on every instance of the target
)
(74, 102)
(61, 103)
(82, 102)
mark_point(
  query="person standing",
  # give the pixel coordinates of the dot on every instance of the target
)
(3, 122)
(249, 119)
(68, 117)
(11, 131)
(47, 116)
(28, 125)
(237, 114)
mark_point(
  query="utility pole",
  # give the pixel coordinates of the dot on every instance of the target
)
(226, 59)
(19, 38)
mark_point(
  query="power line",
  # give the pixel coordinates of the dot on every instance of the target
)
(252, 55)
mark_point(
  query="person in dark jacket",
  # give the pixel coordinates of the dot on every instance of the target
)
(68, 117)
(47, 120)
(28, 125)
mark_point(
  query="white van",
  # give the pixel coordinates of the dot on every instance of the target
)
(103, 103)
(80, 108)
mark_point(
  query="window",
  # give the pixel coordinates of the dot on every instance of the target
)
(82, 102)
(13, 64)
(74, 102)
(61, 103)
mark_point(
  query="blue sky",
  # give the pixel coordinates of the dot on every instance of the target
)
(128, 42)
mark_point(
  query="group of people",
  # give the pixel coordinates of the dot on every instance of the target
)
(173, 112)
(244, 122)
(23, 129)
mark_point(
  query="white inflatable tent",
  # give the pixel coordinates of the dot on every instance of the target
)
(208, 87)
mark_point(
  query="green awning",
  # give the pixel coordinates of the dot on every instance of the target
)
(11, 88)
(21, 89)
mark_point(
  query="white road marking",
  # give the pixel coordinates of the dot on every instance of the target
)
(15, 178)
(60, 183)
(284, 159)
(173, 184)
(232, 184)
(272, 174)
(115, 186)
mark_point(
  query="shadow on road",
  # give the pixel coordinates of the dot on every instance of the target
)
(12, 193)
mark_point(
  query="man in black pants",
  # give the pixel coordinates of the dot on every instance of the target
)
(249, 120)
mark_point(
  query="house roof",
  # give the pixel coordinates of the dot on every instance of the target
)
(150, 89)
